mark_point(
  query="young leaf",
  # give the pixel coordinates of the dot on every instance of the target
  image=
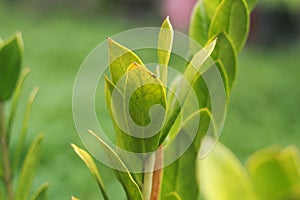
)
(180, 176)
(29, 168)
(16, 98)
(191, 74)
(275, 172)
(210, 8)
(223, 172)
(41, 192)
(24, 129)
(89, 162)
(74, 198)
(199, 25)
(165, 42)
(130, 186)
(232, 17)
(147, 104)
(202, 15)
(119, 60)
(123, 140)
(11, 54)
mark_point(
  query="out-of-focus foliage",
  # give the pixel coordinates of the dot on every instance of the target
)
(16, 172)
(270, 173)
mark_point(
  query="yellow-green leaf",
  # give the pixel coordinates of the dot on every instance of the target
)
(172, 196)
(165, 42)
(232, 17)
(120, 58)
(147, 103)
(23, 134)
(221, 171)
(11, 55)
(29, 168)
(16, 99)
(89, 162)
(130, 186)
(275, 172)
(41, 192)
(191, 74)
(251, 4)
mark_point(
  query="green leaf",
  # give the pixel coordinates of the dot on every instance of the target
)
(191, 74)
(224, 76)
(275, 172)
(224, 52)
(22, 137)
(29, 168)
(123, 140)
(11, 54)
(180, 176)
(232, 17)
(211, 7)
(16, 99)
(221, 171)
(89, 162)
(200, 21)
(165, 42)
(41, 192)
(251, 4)
(172, 196)
(130, 186)
(119, 60)
(147, 103)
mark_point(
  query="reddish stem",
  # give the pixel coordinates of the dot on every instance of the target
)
(157, 174)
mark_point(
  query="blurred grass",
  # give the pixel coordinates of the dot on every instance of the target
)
(263, 109)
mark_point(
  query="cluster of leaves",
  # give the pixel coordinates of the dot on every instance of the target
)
(221, 27)
(16, 173)
(270, 173)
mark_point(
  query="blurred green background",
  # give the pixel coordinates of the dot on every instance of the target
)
(264, 107)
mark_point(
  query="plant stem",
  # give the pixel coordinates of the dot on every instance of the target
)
(157, 174)
(148, 175)
(7, 176)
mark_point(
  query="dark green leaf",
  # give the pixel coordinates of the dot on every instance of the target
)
(11, 54)
(225, 54)
(180, 176)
